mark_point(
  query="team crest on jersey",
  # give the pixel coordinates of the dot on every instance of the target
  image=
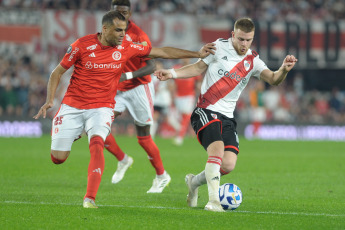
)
(117, 55)
(128, 38)
(246, 65)
(93, 47)
(214, 116)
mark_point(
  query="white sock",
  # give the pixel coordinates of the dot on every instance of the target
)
(199, 179)
(162, 175)
(125, 159)
(213, 179)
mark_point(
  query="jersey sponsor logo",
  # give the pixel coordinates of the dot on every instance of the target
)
(137, 47)
(73, 53)
(90, 65)
(117, 55)
(93, 47)
(232, 75)
(92, 55)
(69, 50)
(246, 65)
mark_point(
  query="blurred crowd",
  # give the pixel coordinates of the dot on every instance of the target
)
(291, 10)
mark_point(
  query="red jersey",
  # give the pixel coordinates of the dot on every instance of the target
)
(185, 86)
(137, 36)
(97, 70)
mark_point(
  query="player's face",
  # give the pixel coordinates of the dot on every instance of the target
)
(242, 41)
(124, 10)
(115, 33)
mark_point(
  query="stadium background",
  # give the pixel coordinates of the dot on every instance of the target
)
(34, 36)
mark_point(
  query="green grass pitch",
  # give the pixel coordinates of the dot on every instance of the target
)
(285, 185)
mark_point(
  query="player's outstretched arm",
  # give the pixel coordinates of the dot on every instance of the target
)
(53, 83)
(277, 77)
(175, 53)
(146, 70)
(187, 71)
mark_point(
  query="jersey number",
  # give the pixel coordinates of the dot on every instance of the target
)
(58, 120)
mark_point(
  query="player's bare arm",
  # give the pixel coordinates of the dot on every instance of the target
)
(146, 70)
(53, 83)
(175, 53)
(277, 77)
(187, 71)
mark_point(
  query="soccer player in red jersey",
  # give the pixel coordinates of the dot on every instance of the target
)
(184, 99)
(227, 73)
(88, 104)
(137, 96)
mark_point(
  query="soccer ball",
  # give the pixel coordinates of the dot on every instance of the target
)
(230, 196)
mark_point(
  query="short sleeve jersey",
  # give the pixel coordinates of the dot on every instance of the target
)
(185, 86)
(227, 75)
(97, 70)
(137, 36)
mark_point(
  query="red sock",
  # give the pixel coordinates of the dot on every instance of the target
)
(153, 152)
(184, 125)
(96, 167)
(111, 145)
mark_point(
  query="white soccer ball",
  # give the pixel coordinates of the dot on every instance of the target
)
(230, 196)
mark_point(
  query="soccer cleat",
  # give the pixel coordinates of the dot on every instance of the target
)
(192, 197)
(121, 170)
(89, 203)
(159, 183)
(214, 206)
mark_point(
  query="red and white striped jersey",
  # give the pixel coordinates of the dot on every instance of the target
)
(227, 75)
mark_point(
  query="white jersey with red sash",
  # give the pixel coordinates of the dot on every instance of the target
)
(227, 75)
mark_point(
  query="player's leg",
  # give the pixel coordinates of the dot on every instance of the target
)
(208, 130)
(231, 148)
(185, 107)
(124, 161)
(67, 125)
(97, 127)
(141, 109)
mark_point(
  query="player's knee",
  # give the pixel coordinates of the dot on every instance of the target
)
(143, 130)
(59, 158)
(227, 167)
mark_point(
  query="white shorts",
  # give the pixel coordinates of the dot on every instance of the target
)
(139, 102)
(69, 123)
(185, 104)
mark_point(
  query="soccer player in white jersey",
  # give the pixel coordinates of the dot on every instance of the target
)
(227, 73)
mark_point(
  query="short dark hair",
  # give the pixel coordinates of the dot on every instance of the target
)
(120, 3)
(109, 17)
(245, 24)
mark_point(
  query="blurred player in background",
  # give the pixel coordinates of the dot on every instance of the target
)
(137, 95)
(162, 101)
(185, 100)
(227, 74)
(88, 104)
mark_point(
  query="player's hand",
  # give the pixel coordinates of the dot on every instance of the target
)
(207, 49)
(43, 110)
(289, 62)
(163, 74)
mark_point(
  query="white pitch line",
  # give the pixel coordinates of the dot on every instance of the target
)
(174, 208)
